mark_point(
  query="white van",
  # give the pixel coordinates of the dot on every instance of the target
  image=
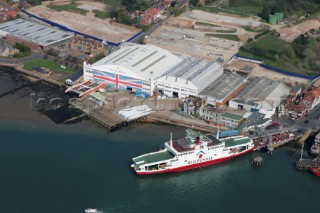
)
(69, 82)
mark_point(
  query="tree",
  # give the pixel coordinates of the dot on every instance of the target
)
(289, 51)
(265, 13)
(194, 2)
(275, 9)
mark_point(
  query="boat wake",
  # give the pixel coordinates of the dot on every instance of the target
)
(90, 210)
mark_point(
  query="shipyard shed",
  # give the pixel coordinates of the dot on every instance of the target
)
(223, 89)
(33, 35)
(260, 94)
(149, 69)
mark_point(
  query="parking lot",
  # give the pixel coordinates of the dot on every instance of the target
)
(302, 124)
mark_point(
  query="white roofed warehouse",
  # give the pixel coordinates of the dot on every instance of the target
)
(34, 35)
(147, 68)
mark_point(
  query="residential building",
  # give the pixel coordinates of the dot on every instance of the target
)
(7, 12)
(87, 46)
(299, 106)
(150, 16)
(232, 120)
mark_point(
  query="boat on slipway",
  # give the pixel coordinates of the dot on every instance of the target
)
(195, 150)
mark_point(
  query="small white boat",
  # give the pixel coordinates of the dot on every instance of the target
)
(89, 210)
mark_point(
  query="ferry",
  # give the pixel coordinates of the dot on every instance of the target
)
(193, 151)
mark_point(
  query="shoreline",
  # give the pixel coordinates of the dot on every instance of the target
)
(16, 107)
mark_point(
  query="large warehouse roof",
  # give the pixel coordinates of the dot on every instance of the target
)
(223, 86)
(200, 72)
(34, 32)
(258, 88)
(145, 60)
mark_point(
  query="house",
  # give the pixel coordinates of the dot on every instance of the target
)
(86, 45)
(150, 16)
(166, 3)
(297, 107)
(192, 105)
(7, 12)
(316, 93)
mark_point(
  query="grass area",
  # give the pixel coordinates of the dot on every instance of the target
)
(280, 54)
(278, 64)
(21, 54)
(313, 16)
(224, 36)
(232, 30)
(101, 14)
(217, 10)
(46, 64)
(271, 43)
(249, 10)
(68, 7)
(62, 80)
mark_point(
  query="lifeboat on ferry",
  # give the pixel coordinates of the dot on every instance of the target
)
(316, 171)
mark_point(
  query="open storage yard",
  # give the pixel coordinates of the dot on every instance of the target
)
(290, 33)
(236, 65)
(87, 24)
(198, 38)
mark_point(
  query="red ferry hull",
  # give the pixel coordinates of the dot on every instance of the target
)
(316, 171)
(192, 166)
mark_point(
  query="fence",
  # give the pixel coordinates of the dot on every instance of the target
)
(61, 27)
(289, 73)
(276, 69)
(248, 59)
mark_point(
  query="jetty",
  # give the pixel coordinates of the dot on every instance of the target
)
(305, 136)
(104, 116)
(307, 164)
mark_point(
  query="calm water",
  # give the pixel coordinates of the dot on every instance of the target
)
(68, 169)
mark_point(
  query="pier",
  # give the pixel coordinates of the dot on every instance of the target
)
(108, 118)
(307, 164)
(305, 136)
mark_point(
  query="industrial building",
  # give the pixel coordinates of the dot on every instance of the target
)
(149, 69)
(223, 89)
(33, 35)
(260, 94)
